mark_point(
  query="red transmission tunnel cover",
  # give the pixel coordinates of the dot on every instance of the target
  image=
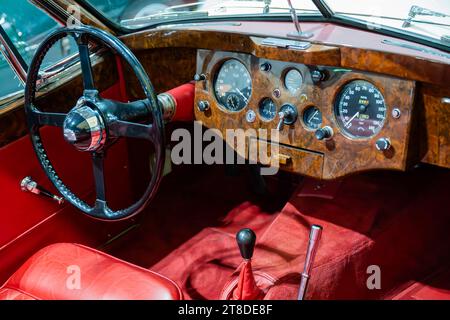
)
(71, 271)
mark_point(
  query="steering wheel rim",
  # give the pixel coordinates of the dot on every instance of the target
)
(113, 125)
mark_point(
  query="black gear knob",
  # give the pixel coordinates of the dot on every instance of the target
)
(246, 240)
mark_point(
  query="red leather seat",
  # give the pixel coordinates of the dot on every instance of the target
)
(71, 271)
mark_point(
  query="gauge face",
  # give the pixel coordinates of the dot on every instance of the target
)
(267, 109)
(233, 85)
(293, 80)
(312, 118)
(360, 109)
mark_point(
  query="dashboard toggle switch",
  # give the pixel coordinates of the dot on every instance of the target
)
(324, 133)
(383, 144)
(288, 115)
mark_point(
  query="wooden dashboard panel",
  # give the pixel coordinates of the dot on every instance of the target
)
(435, 125)
(332, 45)
(341, 155)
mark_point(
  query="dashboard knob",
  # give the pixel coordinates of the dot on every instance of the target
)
(203, 105)
(288, 115)
(199, 77)
(318, 75)
(265, 67)
(324, 133)
(383, 144)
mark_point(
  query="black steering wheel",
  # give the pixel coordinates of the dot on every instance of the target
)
(94, 123)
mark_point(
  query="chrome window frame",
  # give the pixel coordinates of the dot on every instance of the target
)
(61, 71)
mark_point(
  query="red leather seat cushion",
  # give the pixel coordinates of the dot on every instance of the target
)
(49, 274)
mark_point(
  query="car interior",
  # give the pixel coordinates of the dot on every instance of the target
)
(224, 150)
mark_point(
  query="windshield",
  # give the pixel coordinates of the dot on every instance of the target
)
(430, 18)
(139, 13)
(425, 19)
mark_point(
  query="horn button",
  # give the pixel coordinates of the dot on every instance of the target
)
(84, 128)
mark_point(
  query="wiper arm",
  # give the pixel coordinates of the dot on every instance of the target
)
(299, 34)
(419, 11)
(267, 4)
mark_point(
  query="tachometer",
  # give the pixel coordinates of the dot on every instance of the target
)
(360, 109)
(233, 85)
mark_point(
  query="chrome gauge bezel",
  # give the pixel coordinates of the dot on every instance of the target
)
(217, 71)
(336, 113)
(285, 75)
(261, 116)
(305, 123)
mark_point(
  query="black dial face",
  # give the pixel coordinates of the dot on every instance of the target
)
(360, 109)
(267, 109)
(233, 85)
(312, 118)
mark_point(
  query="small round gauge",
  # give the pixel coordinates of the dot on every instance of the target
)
(312, 118)
(360, 109)
(293, 81)
(233, 85)
(267, 109)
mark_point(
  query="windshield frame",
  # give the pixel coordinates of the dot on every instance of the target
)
(326, 15)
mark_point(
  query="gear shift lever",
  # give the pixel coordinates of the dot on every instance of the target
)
(314, 238)
(246, 288)
(246, 240)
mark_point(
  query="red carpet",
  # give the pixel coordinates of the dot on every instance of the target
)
(435, 287)
(397, 221)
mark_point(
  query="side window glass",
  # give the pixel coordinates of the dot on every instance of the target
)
(27, 26)
(10, 82)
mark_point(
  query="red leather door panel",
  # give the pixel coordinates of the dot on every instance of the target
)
(29, 222)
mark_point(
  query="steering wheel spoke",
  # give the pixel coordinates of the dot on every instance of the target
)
(85, 61)
(99, 177)
(128, 129)
(48, 118)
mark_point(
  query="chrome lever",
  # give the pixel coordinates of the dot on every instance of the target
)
(280, 124)
(314, 239)
(29, 185)
(298, 33)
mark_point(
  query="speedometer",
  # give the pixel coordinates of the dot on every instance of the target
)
(360, 109)
(233, 85)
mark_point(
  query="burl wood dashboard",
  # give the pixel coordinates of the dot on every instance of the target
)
(414, 84)
(414, 81)
(300, 151)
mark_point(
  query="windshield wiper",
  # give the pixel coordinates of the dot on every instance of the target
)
(419, 11)
(266, 8)
(298, 33)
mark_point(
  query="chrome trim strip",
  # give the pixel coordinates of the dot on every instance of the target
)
(445, 100)
(10, 56)
(198, 24)
(416, 48)
(168, 105)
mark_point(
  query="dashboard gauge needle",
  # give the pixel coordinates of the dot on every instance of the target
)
(313, 115)
(240, 92)
(351, 119)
